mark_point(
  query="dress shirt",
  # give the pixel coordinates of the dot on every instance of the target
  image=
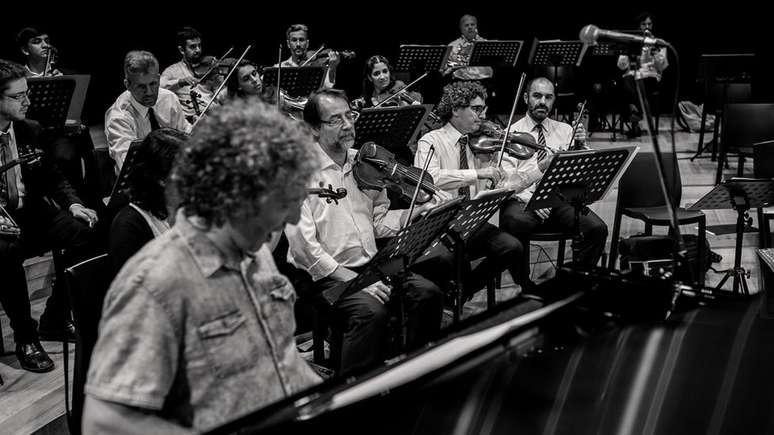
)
(51, 73)
(127, 120)
(17, 169)
(653, 62)
(458, 55)
(343, 234)
(169, 80)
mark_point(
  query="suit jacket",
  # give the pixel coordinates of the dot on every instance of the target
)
(41, 179)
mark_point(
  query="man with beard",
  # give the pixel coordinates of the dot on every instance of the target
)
(461, 50)
(556, 136)
(298, 42)
(179, 77)
(142, 108)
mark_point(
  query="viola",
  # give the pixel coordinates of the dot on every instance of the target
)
(320, 57)
(488, 139)
(376, 168)
(328, 194)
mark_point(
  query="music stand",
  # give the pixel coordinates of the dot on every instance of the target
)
(580, 178)
(471, 215)
(118, 198)
(391, 127)
(495, 53)
(50, 100)
(298, 81)
(739, 194)
(425, 58)
(556, 53)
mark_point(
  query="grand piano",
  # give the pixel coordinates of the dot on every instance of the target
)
(603, 353)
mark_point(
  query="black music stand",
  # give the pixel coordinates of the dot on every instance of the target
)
(50, 100)
(391, 127)
(118, 196)
(739, 194)
(471, 215)
(424, 58)
(723, 70)
(556, 53)
(298, 81)
(495, 53)
(580, 178)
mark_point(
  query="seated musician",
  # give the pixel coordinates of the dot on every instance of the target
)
(556, 136)
(379, 85)
(456, 170)
(297, 36)
(145, 217)
(142, 108)
(197, 328)
(27, 193)
(245, 81)
(333, 243)
(204, 91)
(180, 76)
(462, 48)
(40, 56)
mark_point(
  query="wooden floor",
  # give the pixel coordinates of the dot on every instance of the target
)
(30, 402)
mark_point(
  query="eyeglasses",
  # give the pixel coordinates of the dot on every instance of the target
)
(478, 109)
(20, 96)
(338, 120)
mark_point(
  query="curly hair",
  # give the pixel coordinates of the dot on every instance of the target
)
(457, 95)
(240, 154)
(150, 170)
(10, 71)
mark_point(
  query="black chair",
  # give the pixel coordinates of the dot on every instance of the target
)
(743, 126)
(717, 96)
(763, 167)
(87, 283)
(640, 197)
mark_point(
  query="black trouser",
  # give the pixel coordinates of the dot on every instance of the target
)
(630, 100)
(42, 227)
(363, 321)
(521, 223)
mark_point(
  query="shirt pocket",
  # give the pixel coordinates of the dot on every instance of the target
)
(227, 343)
(278, 308)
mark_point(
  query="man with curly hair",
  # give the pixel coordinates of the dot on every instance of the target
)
(197, 328)
(333, 243)
(456, 170)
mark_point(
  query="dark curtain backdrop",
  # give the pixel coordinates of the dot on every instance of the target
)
(94, 38)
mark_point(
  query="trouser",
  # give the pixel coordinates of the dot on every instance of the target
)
(520, 223)
(42, 227)
(630, 99)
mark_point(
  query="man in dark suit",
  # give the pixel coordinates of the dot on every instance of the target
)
(48, 214)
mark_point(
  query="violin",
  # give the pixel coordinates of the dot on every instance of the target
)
(376, 168)
(328, 194)
(31, 157)
(320, 57)
(488, 139)
(397, 96)
(8, 227)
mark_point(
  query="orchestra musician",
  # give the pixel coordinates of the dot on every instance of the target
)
(333, 243)
(40, 56)
(652, 63)
(456, 170)
(245, 81)
(297, 36)
(142, 108)
(180, 76)
(210, 80)
(556, 136)
(378, 85)
(49, 215)
(197, 328)
(462, 48)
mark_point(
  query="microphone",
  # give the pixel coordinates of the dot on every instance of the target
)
(591, 34)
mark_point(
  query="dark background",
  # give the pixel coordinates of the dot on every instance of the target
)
(93, 39)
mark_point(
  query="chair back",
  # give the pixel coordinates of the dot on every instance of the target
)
(735, 93)
(87, 283)
(763, 159)
(747, 124)
(639, 186)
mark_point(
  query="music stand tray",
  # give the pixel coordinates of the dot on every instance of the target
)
(118, 198)
(739, 194)
(422, 58)
(580, 178)
(391, 127)
(556, 53)
(298, 81)
(495, 53)
(57, 101)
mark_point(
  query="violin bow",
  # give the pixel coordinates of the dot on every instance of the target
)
(577, 121)
(309, 59)
(403, 89)
(214, 64)
(510, 118)
(419, 185)
(220, 88)
(279, 72)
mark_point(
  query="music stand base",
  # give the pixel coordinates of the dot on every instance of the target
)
(740, 276)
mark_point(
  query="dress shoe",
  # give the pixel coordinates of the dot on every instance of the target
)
(33, 357)
(64, 332)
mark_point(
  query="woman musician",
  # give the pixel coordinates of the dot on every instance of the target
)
(379, 85)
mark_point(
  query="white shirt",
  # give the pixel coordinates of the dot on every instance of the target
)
(16, 169)
(290, 63)
(329, 235)
(558, 136)
(127, 120)
(169, 80)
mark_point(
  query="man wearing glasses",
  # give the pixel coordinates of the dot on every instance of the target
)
(456, 170)
(25, 191)
(333, 243)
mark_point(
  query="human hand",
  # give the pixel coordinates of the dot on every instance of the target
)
(333, 58)
(491, 173)
(580, 136)
(185, 81)
(380, 291)
(86, 214)
(546, 162)
(543, 213)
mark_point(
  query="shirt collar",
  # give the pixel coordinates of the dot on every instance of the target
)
(451, 132)
(326, 162)
(530, 124)
(142, 110)
(206, 255)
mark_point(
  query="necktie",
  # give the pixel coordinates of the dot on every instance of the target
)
(9, 189)
(541, 154)
(463, 143)
(153, 121)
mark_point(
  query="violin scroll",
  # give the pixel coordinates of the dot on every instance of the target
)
(328, 194)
